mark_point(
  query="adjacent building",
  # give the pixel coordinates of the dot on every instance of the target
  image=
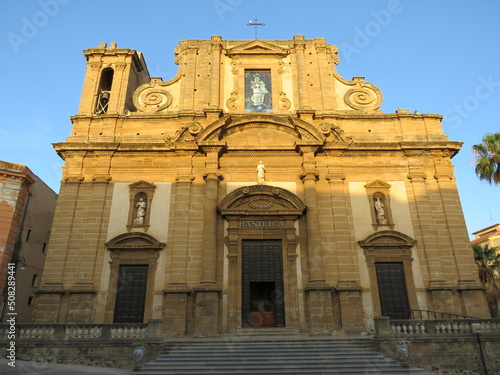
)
(27, 208)
(256, 188)
(489, 235)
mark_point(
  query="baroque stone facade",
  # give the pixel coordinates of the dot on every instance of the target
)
(256, 188)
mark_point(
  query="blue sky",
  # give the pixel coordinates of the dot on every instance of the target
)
(432, 56)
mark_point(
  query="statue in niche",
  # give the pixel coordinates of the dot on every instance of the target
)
(261, 173)
(141, 212)
(380, 211)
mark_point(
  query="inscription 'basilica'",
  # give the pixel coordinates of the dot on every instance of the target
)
(256, 188)
(261, 224)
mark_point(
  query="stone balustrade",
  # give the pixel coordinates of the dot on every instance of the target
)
(444, 326)
(71, 332)
(439, 345)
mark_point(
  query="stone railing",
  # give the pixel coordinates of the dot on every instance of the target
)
(71, 332)
(398, 328)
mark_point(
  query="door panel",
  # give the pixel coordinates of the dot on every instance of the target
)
(392, 290)
(131, 294)
(262, 289)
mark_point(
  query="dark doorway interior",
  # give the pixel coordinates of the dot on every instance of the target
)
(262, 304)
(131, 294)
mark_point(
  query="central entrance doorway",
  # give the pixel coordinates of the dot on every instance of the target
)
(131, 294)
(263, 303)
(392, 290)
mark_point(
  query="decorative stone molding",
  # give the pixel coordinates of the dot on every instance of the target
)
(232, 102)
(334, 52)
(305, 133)
(334, 133)
(152, 97)
(281, 66)
(258, 199)
(387, 244)
(234, 65)
(95, 65)
(186, 133)
(284, 101)
(74, 178)
(120, 66)
(363, 96)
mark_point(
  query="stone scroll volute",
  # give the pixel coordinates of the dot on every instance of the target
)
(152, 97)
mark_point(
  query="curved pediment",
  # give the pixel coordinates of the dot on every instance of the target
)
(261, 130)
(134, 241)
(261, 200)
(387, 239)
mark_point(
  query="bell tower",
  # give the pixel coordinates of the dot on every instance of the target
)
(111, 78)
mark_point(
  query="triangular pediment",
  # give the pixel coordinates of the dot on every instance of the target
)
(257, 47)
(377, 184)
(142, 185)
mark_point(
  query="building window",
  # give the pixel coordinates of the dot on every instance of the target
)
(28, 235)
(44, 247)
(258, 91)
(34, 281)
(31, 300)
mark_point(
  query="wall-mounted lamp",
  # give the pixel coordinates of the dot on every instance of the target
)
(22, 263)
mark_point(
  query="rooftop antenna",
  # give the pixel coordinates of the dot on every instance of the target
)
(255, 23)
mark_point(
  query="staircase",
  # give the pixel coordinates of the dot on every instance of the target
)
(275, 355)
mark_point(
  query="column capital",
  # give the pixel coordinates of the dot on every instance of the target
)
(309, 175)
(214, 175)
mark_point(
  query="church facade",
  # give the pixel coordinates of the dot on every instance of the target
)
(255, 189)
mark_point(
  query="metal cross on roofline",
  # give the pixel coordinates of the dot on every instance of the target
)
(255, 23)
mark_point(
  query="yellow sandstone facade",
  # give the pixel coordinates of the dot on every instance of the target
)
(257, 188)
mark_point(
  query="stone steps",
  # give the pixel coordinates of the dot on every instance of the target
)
(277, 355)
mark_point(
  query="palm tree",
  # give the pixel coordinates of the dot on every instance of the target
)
(488, 267)
(487, 154)
(487, 262)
